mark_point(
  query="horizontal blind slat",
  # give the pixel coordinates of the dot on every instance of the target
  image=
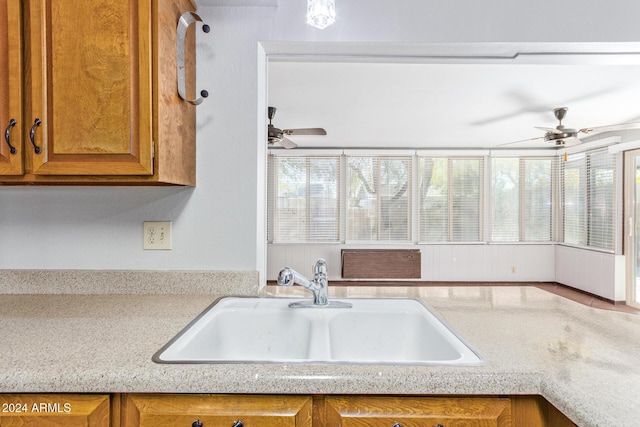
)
(304, 199)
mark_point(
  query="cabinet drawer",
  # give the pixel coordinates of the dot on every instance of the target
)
(54, 410)
(417, 412)
(216, 410)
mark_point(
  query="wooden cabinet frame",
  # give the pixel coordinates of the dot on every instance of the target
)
(99, 93)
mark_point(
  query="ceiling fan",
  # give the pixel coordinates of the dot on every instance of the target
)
(279, 136)
(562, 136)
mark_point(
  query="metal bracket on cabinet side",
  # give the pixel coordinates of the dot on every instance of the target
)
(184, 22)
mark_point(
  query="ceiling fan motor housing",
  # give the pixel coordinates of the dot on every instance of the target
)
(274, 134)
(559, 137)
(561, 134)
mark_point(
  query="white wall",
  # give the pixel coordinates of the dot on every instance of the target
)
(216, 223)
(591, 271)
(440, 263)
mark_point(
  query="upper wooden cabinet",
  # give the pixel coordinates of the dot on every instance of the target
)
(100, 95)
(11, 88)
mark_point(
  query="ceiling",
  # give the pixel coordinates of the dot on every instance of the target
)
(448, 105)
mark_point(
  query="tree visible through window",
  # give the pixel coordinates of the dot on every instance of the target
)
(379, 198)
(521, 199)
(451, 192)
(374, 199)
(305, 199)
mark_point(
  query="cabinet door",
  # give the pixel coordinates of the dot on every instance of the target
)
(11, 88)
(417, 412)
(54, 410)
(216, 410)
(89, 97)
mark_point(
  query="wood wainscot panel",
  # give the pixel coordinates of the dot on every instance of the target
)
(381, 264)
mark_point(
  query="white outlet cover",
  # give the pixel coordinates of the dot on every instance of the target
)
(157, 235)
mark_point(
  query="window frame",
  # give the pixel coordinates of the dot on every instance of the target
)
(587, 198)
(522, 185)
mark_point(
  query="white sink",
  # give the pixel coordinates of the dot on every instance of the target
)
(265, 330)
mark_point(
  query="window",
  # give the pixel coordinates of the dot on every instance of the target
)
(359, 198)
(379, 198)
(304, 199)
(588, 199)
(521, 199)
(451, 197)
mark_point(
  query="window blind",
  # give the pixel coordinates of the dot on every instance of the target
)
(505, 199)
(521, 199)
(378, 198)
(601, 197)
(537, 203)
(588, 199)
(303, 199)
(450, 200)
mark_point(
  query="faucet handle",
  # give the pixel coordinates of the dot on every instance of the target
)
(320, 267)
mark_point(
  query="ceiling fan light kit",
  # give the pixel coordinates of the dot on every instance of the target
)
(321, 13)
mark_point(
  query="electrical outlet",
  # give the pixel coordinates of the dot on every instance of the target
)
(157, 235)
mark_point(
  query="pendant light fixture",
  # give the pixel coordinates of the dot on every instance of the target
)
(321, 13)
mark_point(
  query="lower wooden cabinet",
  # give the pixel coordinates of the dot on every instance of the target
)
(213, 410)
(179, 410)
(365, 411)
(54, 410)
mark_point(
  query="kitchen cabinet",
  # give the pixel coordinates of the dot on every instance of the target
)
(98, 92)
(241, 410)
(215, 410)
(348, 411)
(204, 410)
(11, 87)
(53, 410)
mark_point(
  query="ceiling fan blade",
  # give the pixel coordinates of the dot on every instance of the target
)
(522, 140)
(305, 131)
(552, 130)
(287, 143)
(610, 128)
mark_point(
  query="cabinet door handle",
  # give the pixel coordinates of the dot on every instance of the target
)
(32, 135)
(238, 424)
(7, 136)
(196, 423)
(400, 425)
(184, 22)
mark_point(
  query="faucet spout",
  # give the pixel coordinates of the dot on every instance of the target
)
(318, 286)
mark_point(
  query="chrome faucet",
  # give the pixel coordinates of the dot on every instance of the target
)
(319, 286)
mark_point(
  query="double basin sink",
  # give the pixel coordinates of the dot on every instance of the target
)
(267, 330)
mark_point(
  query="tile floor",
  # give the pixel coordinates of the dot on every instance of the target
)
(586, 299)
(561, 290)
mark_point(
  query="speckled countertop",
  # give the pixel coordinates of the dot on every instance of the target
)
(583, 360)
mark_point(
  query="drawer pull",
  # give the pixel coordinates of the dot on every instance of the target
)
(7, 136)
(400, 425)
(32, 135)
(238, 424)
(196, 423)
